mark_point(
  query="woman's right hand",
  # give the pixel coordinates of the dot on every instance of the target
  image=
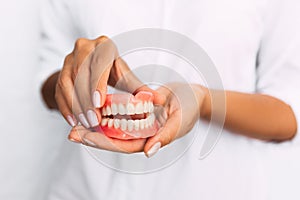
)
(82, 83)
(81, 86)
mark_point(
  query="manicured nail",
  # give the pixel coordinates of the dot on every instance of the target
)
(71, 121)
(154, 149)
(72, 140)
(83, 120)
(89, 142)
(97, 99)
(92, 117)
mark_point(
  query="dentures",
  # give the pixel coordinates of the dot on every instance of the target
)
(125, 116)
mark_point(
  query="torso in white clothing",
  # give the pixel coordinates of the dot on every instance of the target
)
(230, 32)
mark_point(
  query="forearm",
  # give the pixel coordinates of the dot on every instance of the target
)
(48, 91)
(255, 115)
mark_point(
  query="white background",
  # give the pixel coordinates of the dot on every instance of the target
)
(31, 136)
(27, 147)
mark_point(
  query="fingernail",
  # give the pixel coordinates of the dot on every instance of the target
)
(72, 140)
(89, 142)
(92, 117)
(96, 99)
(83, 120)
(154, 149)
(71, 121)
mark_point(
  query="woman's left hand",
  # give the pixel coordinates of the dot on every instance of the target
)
(180, 112)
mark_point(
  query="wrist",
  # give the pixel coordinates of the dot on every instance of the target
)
(205, 103)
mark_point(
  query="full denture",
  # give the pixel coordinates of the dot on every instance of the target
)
(125, 116)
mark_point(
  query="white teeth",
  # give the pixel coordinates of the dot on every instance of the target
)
(151, 107)
(122, 110)
(146, 107)
(104, 121)
(123, 124)
(130, 125)
(110, 123)
(146, 123)
(136, 124)
(108, 110)
(151, 119)
(103, 111)
(139, 108)
(114, 109)
(142, 124)
(130, 109)
(116, 123)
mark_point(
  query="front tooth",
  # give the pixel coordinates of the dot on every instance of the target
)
(123, 124)
(103, 111)
(122, 110)
(116, 123)
(142, 124)
(152, 119)
(146, 122)
(110, 123)
(151, 107)
(136, 124)
(114, 109)
(104, 121)
(130, 109)
(108, 110)
(139, 108)
(130, 125)
(146, 107)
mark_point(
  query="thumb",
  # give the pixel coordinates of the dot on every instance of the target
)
(158, 98)
(164, 136)
(125, 79)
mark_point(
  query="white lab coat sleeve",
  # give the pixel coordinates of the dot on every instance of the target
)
(278, 69)
(57, 36)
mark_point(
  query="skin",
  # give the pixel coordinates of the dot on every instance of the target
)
(94, 64)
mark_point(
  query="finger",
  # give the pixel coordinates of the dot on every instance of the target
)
(65, 86)
(82, 88)
(82, 49)
(159, 98)
(83, 53)
(164, 136)
(127, 81)
(101, 64)
(64, 91)
(100, 141)
(64, 108)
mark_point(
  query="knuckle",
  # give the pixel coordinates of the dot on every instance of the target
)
(102, 38)
(80, 42)
(69, 58)
(63, 82)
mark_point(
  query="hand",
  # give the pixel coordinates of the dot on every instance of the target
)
(79, 134)
(181, 109)
(82, 84)
(179, 115)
